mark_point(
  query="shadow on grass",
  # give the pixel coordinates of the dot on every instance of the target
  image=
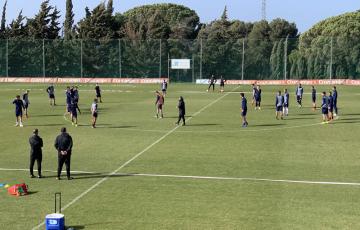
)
(44, 125)
(32, 192)
(48, 115)
(75, 227)
(267, 125)
(201, 125)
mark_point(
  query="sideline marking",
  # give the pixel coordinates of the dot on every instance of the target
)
(133, 158)
(207, 177)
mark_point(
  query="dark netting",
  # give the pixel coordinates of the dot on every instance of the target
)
(62, 58)
(25, 58)
(3, 54)
(101, 58)
(140, 58)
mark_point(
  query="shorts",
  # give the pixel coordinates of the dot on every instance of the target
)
(26, 105)
(95, 115)
(298, 98)
(243, 113)
(51, 96)
(18, 113)
(159, 106)
(163, 90)
(331, 109)
(98, 95)
(286, 105)
(325, 111)
(68, 108)
(222, 84)
(313, 99)
(279, 108)
(74, 113)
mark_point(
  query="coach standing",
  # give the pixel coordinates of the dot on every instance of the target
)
(63, 145)
(36, 143)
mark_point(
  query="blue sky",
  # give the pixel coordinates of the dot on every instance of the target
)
(304, 13)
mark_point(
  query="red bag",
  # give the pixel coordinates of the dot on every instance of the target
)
(18, 190)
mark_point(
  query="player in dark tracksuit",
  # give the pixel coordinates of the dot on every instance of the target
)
(63, 144)
(19, 106)
(212, 82)
(330, 106)
(313, 97)
(36, 143)
(222, 84)
(257, 97)
(299, 94)
(98, 92)
(51, 92)
(279, 103)
(26, 102)
(68, 95)
(325, 108)
(244, 110)
(181, 107)
(335, 97)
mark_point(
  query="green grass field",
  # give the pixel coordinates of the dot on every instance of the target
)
(210, 174)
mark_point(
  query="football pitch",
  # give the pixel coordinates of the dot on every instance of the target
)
(138, 172)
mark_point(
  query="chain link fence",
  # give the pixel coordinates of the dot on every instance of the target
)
(318, 58)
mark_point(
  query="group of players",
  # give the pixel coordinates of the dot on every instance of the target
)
(72, 100)
(328, 106)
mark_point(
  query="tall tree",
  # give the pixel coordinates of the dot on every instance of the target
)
(110, 7)
(53, 30)
(224, 16)
(3, 21)
(38, 26)
(69, 20)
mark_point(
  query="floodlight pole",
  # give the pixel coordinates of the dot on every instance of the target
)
(81, 58)
(120, 59)
(7, 57)
(160, 61)
(201, 55)
(43, 54)
(331, 58)
(168, 75)
(285, 57)
(243, 61)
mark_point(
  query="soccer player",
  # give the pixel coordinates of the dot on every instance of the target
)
(69, 99)
(257, 97)
(75, 94)
(212, 82)
(286, 103)
(253, 94)
(98, 92)
(51, 92)
(313, 97)
(279, 102)
(181, 107)
(159, 104)
(335, 97)
(19, 106)
(330, 107)
(73, 113)
(243, 110)
(36, 143)
(94, 112)
(26, 102)
(325, 108)
(299, 94)
(164, 87)
(222, 84)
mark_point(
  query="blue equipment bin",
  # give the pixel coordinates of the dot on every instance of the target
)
(55, 221)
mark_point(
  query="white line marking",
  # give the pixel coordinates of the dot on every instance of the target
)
(207, 177)
(133, 158)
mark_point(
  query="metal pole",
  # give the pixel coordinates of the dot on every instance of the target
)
(243, 59)
(43, 49)
(331, 58)
(168, 75)
(81, 58)
(193, 69)
(285, 57)
(7, 57)
(120, 58)
(160, 61)
(201, 54)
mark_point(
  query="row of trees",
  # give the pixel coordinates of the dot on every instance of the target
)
(138, 43)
